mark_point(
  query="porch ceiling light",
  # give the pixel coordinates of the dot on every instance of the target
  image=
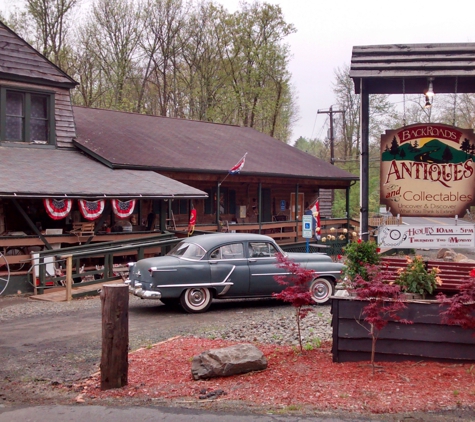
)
(430, 90)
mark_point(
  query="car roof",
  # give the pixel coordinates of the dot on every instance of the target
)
(210, 240)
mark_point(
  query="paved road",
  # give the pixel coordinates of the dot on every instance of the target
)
(146, 414)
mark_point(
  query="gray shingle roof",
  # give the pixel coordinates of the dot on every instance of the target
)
(168, 144)
(452, 66)
(20, 61)
(46, 172)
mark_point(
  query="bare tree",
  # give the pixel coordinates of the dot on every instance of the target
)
(51, 20)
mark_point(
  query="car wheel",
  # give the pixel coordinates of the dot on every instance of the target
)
(321, 290)
(196, 300)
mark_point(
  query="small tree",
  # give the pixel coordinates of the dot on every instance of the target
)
(461, 306)
(358, 255)
(297, 291)
(384, 302)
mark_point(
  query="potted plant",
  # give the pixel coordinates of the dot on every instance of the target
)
(359, 255)
(415, 280)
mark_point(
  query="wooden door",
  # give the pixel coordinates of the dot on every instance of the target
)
(296, 214)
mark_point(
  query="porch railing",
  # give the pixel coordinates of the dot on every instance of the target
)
(93, 264)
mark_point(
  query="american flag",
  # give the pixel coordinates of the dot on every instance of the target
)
(238, 167)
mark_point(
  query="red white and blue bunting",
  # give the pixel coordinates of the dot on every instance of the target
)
(58, 208)
(91, 210)
(123, 209)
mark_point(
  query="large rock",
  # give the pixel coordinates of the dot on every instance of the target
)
(227, 361)
(441, 252)
(459, 257)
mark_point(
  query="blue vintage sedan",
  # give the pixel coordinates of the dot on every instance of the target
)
(224, 266)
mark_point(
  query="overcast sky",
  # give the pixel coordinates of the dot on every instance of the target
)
(327, 30)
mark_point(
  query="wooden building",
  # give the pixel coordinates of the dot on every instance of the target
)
(52, 150)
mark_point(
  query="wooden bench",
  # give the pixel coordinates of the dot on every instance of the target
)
(452, 274)
(83, 229)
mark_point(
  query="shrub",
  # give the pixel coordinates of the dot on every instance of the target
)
(416, 279)
(297, 291)
(384, 302)
(461, 306)
(358, 255)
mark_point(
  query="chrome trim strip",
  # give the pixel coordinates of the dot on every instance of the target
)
(196, 285)
(156, 270)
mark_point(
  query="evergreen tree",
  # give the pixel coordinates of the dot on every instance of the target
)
(447, 155)
(394, 147)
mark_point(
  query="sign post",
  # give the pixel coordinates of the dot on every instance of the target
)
(307, 229)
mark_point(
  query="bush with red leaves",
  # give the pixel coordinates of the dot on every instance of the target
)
(297, 290)
(384, 302)
(461, 306)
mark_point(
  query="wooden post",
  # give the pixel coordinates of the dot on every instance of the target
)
(115, 336)
(69, 277)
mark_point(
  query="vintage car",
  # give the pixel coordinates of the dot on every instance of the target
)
(224, 266)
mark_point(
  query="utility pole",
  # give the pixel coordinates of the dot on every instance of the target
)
(331, 112)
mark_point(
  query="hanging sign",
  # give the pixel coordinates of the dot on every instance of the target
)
(91, 210)
(58, 208)
(428, 170)
(427, 237)
(123, 209)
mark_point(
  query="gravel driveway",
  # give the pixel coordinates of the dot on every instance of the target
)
(44, 343)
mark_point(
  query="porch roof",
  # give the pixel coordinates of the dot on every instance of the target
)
(47, 172)
(130, 140)
(406, 68)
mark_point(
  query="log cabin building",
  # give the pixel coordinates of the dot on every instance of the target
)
(53, 150)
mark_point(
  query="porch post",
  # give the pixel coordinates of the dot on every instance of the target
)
(364, 162)
(259, 204)
(347, 212)
(296, 205)
(218, 195)
(163, 216)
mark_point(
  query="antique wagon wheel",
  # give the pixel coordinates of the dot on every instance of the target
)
(4, 273)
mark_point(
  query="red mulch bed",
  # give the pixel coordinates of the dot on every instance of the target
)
(294, 379)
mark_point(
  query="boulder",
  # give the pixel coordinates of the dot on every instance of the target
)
(459, 257)
(441, 253)
(449, 256)
(227, 361)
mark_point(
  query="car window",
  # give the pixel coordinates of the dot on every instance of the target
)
(187, 250)
(231, 251)
(262, 250)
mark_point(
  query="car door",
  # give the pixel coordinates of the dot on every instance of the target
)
(263, 268)
(228, 264)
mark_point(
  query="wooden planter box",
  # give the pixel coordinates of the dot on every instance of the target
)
(426, 339)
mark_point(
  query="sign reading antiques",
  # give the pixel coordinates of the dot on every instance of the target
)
(430, 237)
(428, 170)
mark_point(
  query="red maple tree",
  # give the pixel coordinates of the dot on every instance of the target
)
(297, 291)
(461, 306)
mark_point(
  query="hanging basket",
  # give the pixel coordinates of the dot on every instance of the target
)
(91, 210)
(58, 208)
(123, 209)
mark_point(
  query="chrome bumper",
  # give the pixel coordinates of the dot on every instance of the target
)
(142, 294)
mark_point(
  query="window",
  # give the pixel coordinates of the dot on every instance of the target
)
(262, 250)
(26, 116)
(227, 201)
(232, 251)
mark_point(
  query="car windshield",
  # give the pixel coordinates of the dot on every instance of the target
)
(187, 250)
